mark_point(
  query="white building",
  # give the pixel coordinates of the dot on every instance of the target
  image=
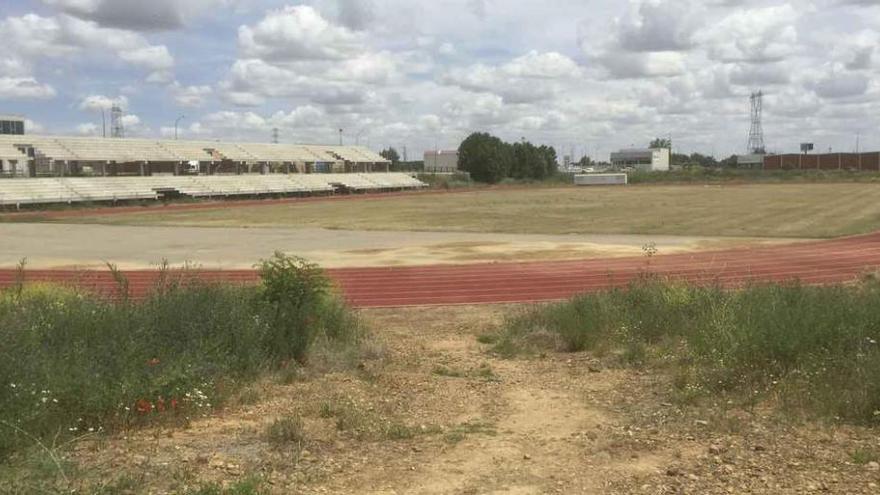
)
(441, 161)
(647, 159)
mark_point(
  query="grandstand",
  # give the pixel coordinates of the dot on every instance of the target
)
(20, 192)
(62, 155)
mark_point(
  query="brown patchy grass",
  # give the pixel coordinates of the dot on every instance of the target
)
(751, 210)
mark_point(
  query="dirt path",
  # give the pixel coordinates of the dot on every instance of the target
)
(434, 413)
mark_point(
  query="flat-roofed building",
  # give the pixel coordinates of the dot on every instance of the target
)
(11, 124)
(647, 159)
(441, 161)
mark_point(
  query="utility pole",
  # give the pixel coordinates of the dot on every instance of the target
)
(176, 122)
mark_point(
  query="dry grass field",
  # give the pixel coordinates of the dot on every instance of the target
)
(753, 210)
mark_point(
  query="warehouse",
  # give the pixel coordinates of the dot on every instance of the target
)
(647, 159)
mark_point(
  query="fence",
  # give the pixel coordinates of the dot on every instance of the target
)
(869, 162)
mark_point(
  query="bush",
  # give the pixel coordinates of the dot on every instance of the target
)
(72, 363)
(815, 348)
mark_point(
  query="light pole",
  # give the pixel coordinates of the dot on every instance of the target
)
(357, 139)
(340, 137)
(103, 124)
(176, 122)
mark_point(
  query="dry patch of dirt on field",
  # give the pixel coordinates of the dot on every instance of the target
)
(435, 413)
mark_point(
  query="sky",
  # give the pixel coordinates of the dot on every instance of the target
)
(585, 76)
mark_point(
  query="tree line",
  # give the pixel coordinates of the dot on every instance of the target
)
(489, 159)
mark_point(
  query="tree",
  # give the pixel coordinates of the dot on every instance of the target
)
(661, 143)
(487, 158)
(391, 154)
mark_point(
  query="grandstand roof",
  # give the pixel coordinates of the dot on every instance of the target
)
(90, 149)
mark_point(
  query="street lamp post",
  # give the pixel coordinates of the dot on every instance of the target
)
(176, 122)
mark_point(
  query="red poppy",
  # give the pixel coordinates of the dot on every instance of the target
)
(153, 362)
(160, 405)
(173, 404)
(143, 406)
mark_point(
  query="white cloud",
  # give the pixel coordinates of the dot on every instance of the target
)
(34, 37)
(297, 33)
(24, 88)
(88, 129)
(759, 35)
(100, 102)
(190, 96)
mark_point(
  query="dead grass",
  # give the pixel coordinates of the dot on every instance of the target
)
(761, 210)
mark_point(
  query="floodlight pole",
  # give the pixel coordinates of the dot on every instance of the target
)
(340, 137)
(103, 123)
(176, 122)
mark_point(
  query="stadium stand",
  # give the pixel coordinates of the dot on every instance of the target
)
(18, 192)
(89, 149)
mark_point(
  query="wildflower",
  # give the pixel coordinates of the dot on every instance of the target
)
(153, 362)
(160, 405)
(143, 406)
(173, 404)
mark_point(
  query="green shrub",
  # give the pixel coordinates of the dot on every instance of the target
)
(816, 348)
(72, 363)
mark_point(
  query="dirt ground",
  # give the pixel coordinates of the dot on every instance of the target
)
(745, 210)
(432, 412)
(91, 246)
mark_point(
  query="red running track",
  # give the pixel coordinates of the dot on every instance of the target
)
(819, 262)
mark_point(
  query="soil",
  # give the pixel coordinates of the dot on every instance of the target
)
(433, 412)
(60, 246)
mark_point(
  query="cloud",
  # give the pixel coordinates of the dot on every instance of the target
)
(24, 88)
(100, 102)
(297, 33)
(528, 78)
(658, 26)
(34, 37)
(190, 96)
(756, 35)
(137, 15)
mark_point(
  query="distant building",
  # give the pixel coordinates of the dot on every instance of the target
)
(750, 161)
(441, 161)
(10, 124)
(647, 159)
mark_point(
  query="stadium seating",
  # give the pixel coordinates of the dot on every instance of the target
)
(17, 192)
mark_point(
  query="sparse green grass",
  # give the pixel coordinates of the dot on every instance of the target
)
(288, 431)
(813, 349)
(460, 432)
(250, 486)
(73, 364)
(864, 456)
(732, 175)
(759, 210)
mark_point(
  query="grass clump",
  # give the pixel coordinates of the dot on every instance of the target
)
(813, 348)
(286, 431)
(74, 364)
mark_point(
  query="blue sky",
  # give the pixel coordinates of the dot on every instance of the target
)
(588, 76)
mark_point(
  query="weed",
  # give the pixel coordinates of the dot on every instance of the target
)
(249, 486)
(460, 432)
(487, 338)
(816, 348)
(286, 431)
(864, 456)
(447, 372)
(73, 363)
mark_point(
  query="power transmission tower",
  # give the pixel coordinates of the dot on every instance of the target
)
(117, 128)
(756, 134)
